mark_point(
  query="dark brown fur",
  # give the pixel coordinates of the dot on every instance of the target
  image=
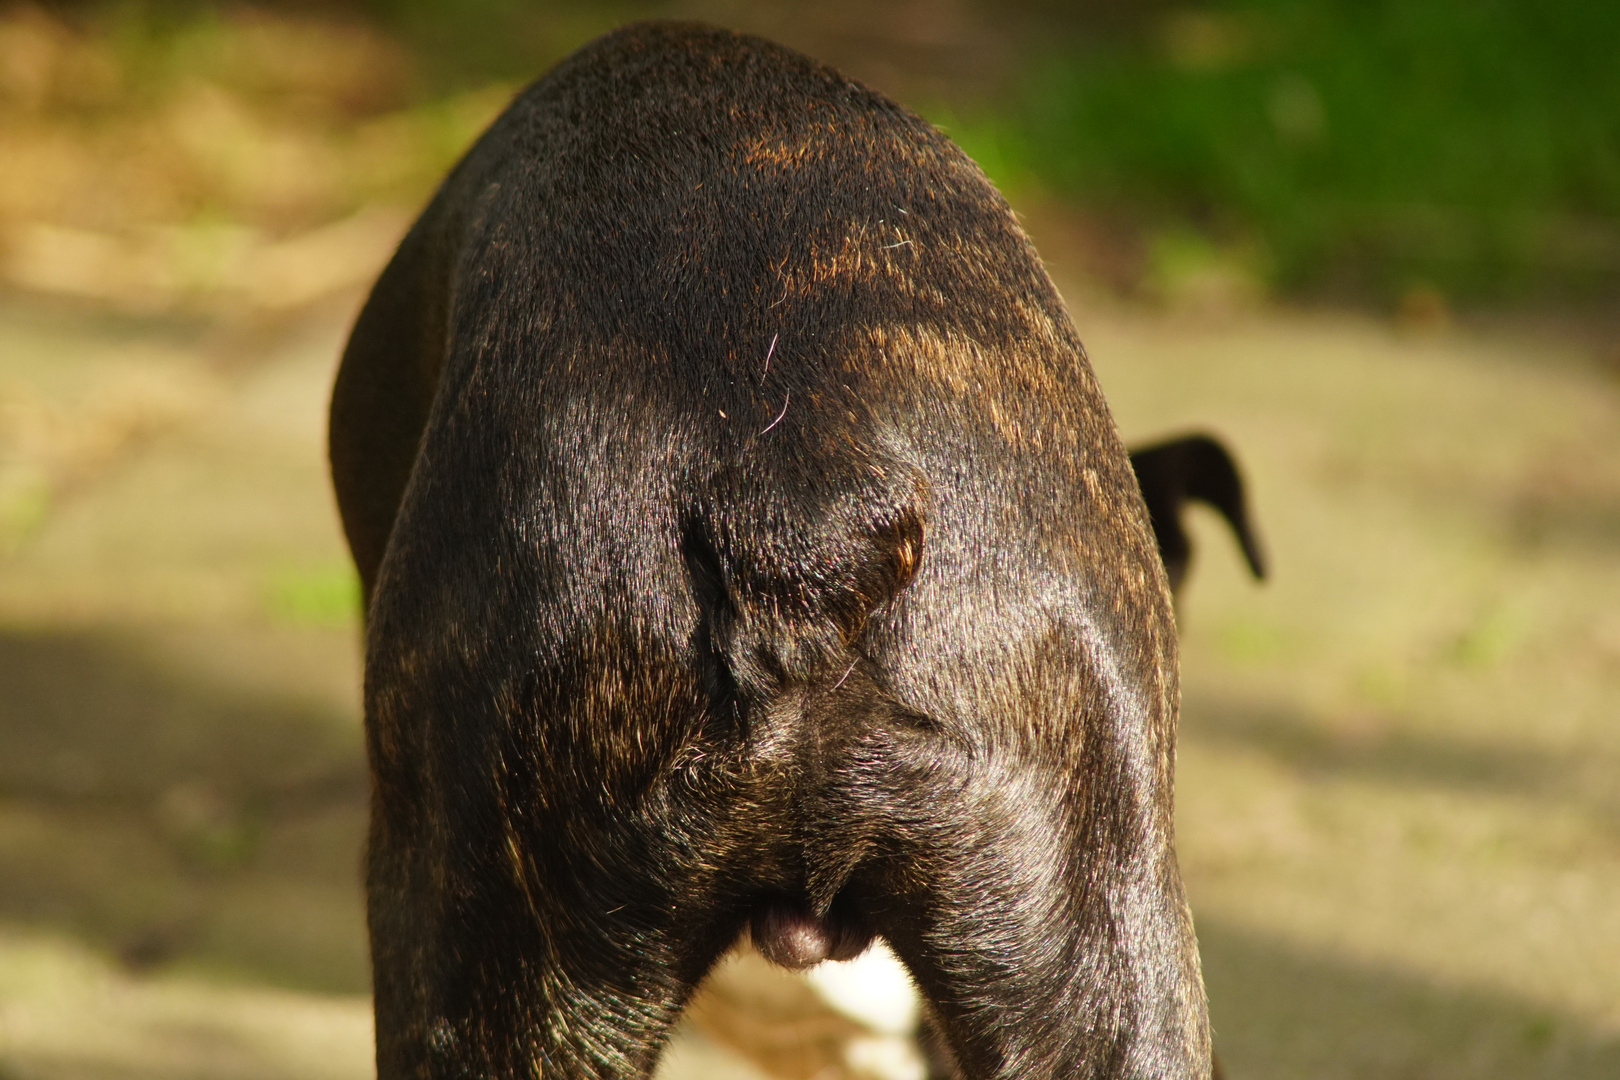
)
(745, 538)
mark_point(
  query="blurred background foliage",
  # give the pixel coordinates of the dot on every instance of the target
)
(1411, 153)
(1356, 145)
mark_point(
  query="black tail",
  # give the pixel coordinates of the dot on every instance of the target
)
(1195, 468)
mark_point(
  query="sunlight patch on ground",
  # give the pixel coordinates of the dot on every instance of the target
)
(66, 1013)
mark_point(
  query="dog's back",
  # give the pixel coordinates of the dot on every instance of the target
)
(746, 542)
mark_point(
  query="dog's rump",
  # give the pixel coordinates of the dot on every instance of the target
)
(745, 539)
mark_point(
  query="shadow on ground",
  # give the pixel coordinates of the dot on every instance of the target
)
(1397, 755)
(1280, 1012)
(169, 817)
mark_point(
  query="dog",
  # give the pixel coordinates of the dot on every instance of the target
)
(747, 548)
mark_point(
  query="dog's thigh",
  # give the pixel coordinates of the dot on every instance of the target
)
(1044, 933)
(534, 945)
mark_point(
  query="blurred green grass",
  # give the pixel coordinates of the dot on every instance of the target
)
(1368, 147)
(327, 595)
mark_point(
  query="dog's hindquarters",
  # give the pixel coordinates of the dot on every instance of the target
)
(612, 722)
(569, 831)
(776, 567)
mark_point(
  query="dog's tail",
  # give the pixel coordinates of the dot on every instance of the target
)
(1195, 468)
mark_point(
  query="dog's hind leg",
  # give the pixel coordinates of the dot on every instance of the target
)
(1045, 928)
(529, 941)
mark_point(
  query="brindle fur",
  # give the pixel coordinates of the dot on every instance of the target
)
(742, 528)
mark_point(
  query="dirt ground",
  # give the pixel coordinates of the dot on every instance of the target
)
(1398, 812)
